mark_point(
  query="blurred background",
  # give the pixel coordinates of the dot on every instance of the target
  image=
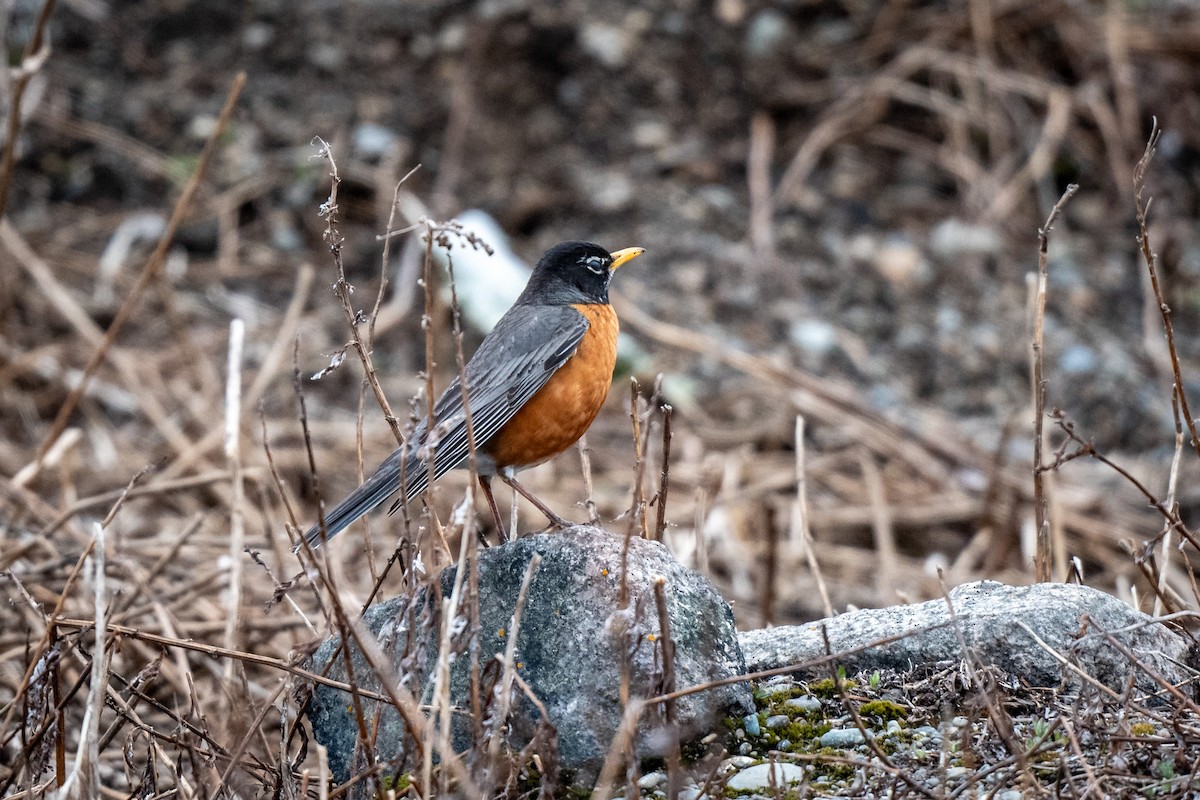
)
(840, 203)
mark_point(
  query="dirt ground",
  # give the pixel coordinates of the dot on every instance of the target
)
(840, 203)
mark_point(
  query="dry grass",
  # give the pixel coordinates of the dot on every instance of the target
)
(121, 481)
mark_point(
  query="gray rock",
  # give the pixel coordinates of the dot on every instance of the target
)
(998, 623)
(842, 737)
(778, 720)
(568, 649)
(762, 776)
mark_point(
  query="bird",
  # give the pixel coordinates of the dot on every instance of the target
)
(533, 387)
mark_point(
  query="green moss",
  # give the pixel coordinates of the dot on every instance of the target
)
(801, 732)
(883, 710)
(787, 794)
(776, 696)
(833, 770)
(827, 688)
(1141, 729)
(397, 784)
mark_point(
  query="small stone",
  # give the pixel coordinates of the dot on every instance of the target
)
(955, 773)
(927, 732)
(651, 780)
(959, 721)
(778, 720)
(762, 776)
(953, 238)
(750, 723)
(328, 57)
(608, 44)
(813, 336)
(202, 126)
(898, 261)
(257, 35)
(808, 703)
(1009, 794)
(373, 141)
(949, 319)
(893, 727)
(651, 133)
(608, 190)
(767, 32)
(842, 737)
(1079, 359)
(745, 749)
(739, 762)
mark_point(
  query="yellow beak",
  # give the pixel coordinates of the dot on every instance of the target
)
(628, 254)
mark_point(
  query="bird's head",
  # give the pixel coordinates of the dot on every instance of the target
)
(575, 272)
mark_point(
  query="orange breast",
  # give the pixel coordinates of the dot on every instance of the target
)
(562, 410)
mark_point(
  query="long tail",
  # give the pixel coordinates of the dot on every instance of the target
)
(374, 491)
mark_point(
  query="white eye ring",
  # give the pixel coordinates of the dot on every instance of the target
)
(595, 264)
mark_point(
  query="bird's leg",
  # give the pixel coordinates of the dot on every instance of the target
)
(485, 483)
(555, 520)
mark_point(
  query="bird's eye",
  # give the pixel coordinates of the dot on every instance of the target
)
(595, 264)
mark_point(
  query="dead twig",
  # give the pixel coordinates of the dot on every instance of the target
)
(37, 49)
(1042, 560)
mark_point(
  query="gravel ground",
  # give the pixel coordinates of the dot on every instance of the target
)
(943, 731)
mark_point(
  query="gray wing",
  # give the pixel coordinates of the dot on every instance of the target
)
(514, 361)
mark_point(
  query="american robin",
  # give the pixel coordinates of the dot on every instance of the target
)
(532, 388)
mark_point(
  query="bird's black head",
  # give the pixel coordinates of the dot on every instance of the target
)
(575, 272)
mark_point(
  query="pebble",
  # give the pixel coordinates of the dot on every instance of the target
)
(761, 776)
(778, 720)
(955, 773)
(893, 727)
(953, 238)
(926, 732)
(959, 721)
(807, 703)
(609, 44)
(750, 723)
(1009, 794)
(651, 779)
(842, 737)
(372, 140)
(740, 762)
(767, 32)
(1079, 359)
(813, 336)
(898, 262)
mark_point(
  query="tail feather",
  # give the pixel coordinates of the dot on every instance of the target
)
(384, 483)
